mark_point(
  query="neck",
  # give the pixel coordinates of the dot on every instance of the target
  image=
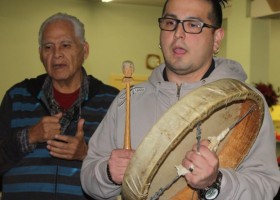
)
(68, 86)
(203, 73)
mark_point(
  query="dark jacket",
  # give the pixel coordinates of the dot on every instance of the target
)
(38, 175)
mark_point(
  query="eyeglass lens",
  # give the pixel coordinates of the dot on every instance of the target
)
(189, 26)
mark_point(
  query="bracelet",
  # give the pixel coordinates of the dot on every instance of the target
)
(110, 177)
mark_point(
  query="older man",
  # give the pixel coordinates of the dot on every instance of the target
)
(45, 122)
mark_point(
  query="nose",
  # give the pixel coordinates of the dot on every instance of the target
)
(179, 32)
(57, 52)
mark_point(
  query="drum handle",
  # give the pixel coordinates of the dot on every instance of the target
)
(128, 69)
(127, 140)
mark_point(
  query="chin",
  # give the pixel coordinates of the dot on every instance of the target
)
(61, 77)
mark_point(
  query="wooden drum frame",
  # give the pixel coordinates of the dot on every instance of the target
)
(216, 106)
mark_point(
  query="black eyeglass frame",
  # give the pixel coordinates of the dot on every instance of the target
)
(178, 21)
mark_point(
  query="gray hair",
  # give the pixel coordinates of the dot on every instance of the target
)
(78, 25)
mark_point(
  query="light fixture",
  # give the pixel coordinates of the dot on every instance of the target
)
(106, 1)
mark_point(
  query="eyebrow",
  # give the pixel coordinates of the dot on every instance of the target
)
(188, 18)
(170, 15)
(60, 42)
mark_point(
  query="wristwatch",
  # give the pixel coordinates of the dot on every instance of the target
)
(212, 191)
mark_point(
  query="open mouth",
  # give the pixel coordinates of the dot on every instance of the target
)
(58, 66)
(179, 51)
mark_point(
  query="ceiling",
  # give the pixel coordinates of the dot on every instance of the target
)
(140, 2)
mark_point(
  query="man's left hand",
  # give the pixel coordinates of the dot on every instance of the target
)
(69, 147)
(204, 165)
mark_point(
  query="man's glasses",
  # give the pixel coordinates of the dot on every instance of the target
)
(189, 25)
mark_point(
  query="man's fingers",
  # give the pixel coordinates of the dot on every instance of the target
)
(80, 129)
(58, 115)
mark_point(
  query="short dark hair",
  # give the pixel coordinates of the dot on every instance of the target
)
(216, 16)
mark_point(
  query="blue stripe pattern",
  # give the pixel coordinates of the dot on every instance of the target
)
(39, 153)
(95, 109)
(43, 170)
(19, 91)
(18, 106)
(105, 95)
(91, 123)
(43, 187)
(70, 189)
(29, 187)
(66, 171)
(16, 123)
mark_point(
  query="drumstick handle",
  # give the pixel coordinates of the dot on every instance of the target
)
(127, 140)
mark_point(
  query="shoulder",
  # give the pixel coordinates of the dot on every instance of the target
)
(97, 87)
(29, 86)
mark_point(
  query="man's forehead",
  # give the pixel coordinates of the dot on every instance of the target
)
(185, 9)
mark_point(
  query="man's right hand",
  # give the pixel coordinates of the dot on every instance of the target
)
(118, 163)
(45, 129)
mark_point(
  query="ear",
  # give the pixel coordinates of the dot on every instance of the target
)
(86, 50)
(40, 53)
(218, 37)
